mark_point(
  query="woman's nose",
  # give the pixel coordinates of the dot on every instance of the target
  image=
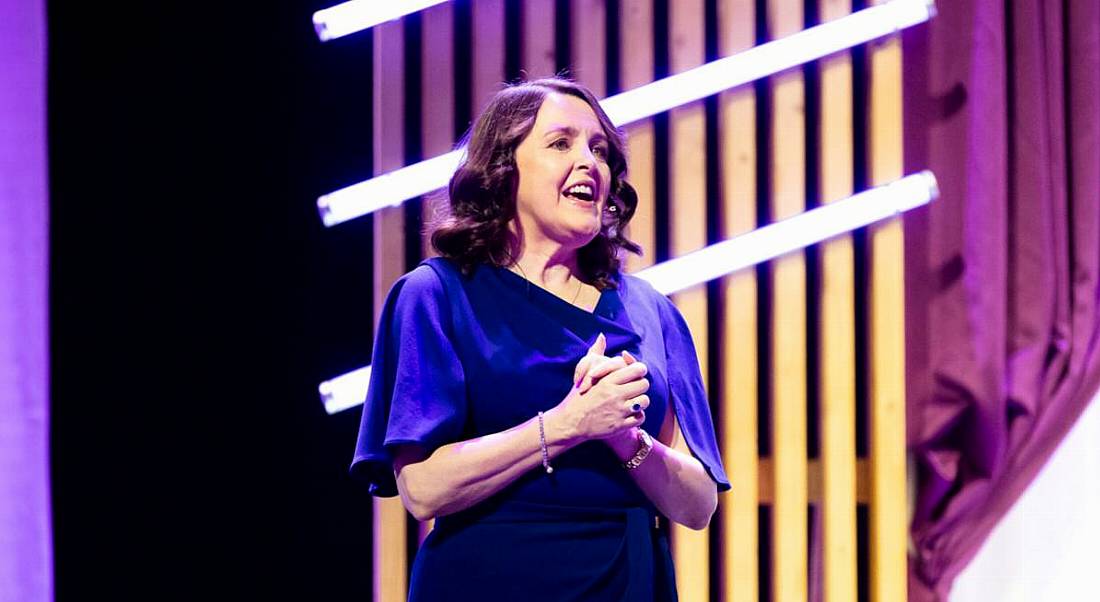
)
(585, 157)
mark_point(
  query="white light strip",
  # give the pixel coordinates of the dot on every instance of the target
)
(421, 178)
(357, 15)
(792, 234)
(715, 261)
(389, 189)
(345, 391)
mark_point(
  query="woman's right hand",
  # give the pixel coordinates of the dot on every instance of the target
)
(605, 391)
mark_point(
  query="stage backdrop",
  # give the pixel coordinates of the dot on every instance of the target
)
(25, 550)
(803, 357)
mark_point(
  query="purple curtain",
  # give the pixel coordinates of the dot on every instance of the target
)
(26, 572)
(1003, 104)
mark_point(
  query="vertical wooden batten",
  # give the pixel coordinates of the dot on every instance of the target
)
(789, 559)
(538, 38)
(438, 99)
(688, 232)
(588, 40)
(636, 50)
(437, 116)
(390, 518)
(888, 517)
(738, 513)
(488, 51)
(836, 351)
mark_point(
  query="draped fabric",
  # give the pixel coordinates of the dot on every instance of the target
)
(1003, 104)
(459, 357)
(25, 549)
(513, 550)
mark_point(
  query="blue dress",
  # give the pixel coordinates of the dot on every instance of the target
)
(459, 357)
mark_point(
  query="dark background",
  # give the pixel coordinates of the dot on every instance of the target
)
(197, 301)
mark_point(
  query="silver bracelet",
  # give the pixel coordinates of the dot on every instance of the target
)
(542, 444)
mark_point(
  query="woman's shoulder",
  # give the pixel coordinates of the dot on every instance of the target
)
(422, 280)
(640, 288)
(422, 285)
(437, 284)
(426, 278)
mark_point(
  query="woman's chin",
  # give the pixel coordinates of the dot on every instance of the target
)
(576, 237)
(586, 236)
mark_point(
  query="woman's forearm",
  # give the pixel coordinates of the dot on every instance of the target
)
(458, 475)
(674, 480)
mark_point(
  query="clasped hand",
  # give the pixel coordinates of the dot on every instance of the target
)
(605, 393)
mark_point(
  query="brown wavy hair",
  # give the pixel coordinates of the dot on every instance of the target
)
(482, 192)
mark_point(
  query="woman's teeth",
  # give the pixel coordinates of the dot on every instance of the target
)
(580, 191)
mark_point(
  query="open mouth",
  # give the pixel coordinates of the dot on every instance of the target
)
(581, 192)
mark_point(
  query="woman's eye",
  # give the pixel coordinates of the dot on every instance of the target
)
(560, 144)
(600, 151)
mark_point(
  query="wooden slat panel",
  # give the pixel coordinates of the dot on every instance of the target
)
(438, 99)
(538, 38)
(887, 344)
(389, 534)
(589, 43)
(636, 50)
(814, 481)
(837, 339)
(688, 215)
(738, 415)
(788, 324)
(488, 51)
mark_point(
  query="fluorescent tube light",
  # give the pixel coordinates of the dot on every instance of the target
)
(345, 391)
(791, 234)
(388, 190)
(357, 15)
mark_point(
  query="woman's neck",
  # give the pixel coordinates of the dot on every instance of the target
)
(548, 269)
(545, 262)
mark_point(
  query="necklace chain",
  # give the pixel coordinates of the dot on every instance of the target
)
(580, 283)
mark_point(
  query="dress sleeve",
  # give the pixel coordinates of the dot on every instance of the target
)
(417, 391)
(689, 398)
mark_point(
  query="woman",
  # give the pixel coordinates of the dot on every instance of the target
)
(525, 393)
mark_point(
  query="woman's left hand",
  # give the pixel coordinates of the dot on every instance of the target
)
(592, 368)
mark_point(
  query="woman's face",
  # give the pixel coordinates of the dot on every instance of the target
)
(564, 178)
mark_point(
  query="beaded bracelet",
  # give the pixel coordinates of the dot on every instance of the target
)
(542, 445)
